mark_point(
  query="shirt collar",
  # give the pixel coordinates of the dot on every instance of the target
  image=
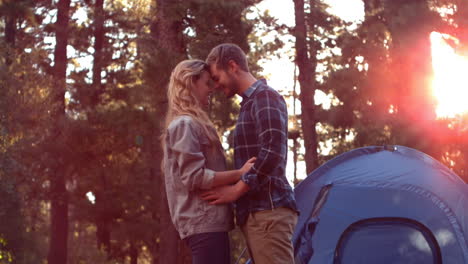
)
(252, 89)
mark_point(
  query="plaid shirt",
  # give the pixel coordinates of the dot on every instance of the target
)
(262, 131)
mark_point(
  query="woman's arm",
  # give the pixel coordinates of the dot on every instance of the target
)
(185, 149)
(231, 176)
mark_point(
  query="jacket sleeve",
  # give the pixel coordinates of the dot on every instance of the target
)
(183, 142)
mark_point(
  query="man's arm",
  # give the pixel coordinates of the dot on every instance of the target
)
(271, 116)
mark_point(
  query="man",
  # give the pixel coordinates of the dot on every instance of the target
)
(265, 207)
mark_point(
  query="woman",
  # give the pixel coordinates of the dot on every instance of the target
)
(194, 161)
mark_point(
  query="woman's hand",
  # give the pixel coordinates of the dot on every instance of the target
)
(247, 166)
(225, 194)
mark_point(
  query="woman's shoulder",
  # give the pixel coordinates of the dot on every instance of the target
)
(182, 119)
(183, 122)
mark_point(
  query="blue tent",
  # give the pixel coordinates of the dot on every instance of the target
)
(382, 205)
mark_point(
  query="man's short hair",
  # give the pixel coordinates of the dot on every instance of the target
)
(223, 53)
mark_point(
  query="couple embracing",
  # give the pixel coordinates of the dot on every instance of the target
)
(200, 190)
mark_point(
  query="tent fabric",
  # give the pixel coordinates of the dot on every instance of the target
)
(382, 183)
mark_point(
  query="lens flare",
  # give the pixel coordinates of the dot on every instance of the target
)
(450, 83)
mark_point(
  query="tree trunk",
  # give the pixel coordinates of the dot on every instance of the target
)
(98, 50)
(10, 36)
(306, 65)
(133, 253)
(167, 32)
(103, 219)
(10, 29)
(169, 237)
(59, 197)
(59, 220)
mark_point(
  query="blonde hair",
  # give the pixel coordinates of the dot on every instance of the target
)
(182, 101)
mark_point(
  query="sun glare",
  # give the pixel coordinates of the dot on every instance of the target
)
(450, 83)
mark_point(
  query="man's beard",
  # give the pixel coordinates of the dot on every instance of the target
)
(233, 86)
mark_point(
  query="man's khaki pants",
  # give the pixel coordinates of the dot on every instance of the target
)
(268, 235)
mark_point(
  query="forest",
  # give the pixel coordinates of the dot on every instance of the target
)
(83, 99)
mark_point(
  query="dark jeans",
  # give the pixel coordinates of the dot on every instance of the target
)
(209, 248)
